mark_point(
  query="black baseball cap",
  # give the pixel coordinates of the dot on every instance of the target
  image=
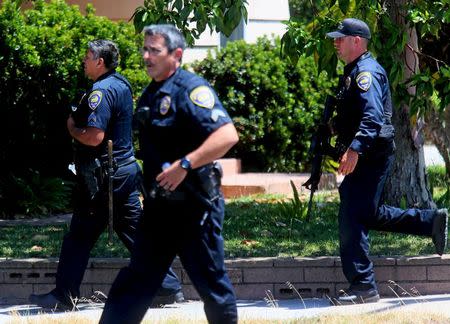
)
(351, 27)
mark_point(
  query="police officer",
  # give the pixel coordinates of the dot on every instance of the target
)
(184, 128)
(363, 126)
(104, 113)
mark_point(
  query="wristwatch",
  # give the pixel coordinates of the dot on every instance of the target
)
(185, 163)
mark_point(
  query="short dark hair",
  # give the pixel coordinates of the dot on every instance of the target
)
(173, 37)
(107, 50)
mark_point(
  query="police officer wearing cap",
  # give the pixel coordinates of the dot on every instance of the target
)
(104, 113)
(363, 127)
(183, 128)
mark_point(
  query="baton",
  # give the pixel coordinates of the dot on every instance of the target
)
(110, 192)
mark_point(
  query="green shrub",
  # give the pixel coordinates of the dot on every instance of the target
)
(274, 105)
(439, 185)
(33, 195)
(41, 74)
(437, 176)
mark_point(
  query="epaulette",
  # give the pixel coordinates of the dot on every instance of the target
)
(188, 80)
(122, 78)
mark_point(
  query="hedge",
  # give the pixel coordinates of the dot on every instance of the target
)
(275, 106)
(41, 74)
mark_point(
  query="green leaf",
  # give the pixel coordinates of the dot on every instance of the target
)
(144, 17)
(185, 12)
(231, 20)
(344, 5)
(137, 19)
(178, 4)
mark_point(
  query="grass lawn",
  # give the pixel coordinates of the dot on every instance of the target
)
(254, 226)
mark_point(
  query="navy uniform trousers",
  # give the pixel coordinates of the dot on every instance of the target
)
(169, 228)
(361, 210)
(90, 219)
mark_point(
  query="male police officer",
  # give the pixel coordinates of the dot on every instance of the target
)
(363, 126)
(104, 113)
(183, 129)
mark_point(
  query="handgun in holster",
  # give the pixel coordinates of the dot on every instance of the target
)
(209, 178)
(202, 184)
(90, 176)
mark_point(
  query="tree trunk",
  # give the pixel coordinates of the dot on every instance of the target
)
(407, 183)
(407, 186)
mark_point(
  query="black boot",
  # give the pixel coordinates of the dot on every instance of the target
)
(161, 300)
(439, 233)
(51, 301)
(351, 296)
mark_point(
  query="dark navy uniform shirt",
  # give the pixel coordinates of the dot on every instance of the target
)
(363, 103)
(184, 111)
(109, 107)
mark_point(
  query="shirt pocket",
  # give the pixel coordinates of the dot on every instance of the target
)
(168, 121)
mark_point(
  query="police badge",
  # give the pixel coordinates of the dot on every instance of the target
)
(348, 81)
(164, 106)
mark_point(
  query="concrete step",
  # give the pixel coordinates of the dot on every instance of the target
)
(236, 184)
(230, 166)
(244, 184)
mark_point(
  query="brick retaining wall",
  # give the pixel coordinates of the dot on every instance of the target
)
(252, 277)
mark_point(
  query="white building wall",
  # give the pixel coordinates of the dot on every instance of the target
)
(264, 18)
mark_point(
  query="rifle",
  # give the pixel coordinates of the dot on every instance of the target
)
(110, 192)
(320, 146)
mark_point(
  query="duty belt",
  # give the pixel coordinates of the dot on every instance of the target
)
(118, 163)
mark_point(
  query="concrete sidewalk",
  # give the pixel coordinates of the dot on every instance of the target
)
(293, 309)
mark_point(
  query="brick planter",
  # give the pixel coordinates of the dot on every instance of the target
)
(252, 277)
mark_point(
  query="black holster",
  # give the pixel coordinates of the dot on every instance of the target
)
(202, 185)
(90, 176)
(208, 178)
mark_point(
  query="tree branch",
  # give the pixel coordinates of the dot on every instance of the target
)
(427, 56)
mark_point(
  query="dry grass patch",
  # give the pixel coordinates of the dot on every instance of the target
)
(392, 317)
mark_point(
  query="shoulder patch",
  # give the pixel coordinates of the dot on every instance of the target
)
(94, 99)
(364, 80)
(202, 96)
